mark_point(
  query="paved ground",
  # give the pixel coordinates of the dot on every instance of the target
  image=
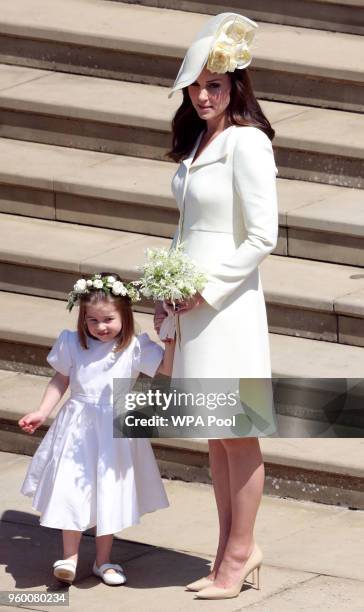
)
(313, 554)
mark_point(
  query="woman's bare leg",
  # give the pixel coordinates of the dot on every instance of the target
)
(246, 477)
(71, 544)
(220, 478)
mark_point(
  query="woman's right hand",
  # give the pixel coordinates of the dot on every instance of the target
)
(159, 316)
(31, 421)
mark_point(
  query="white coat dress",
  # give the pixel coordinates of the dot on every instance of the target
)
(228, 224)
(80, 476)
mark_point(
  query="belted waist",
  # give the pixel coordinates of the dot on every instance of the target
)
(91, 398)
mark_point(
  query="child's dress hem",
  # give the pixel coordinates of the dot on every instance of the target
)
(91, 526)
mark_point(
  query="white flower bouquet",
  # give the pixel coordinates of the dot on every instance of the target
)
(170, 276)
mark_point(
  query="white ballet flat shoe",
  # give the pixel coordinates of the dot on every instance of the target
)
(110, 579)
(65, 570)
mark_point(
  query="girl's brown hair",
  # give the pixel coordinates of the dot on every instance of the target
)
(243, 109)
(122, 304)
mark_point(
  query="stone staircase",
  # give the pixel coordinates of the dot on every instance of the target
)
(119, 117)
(85, 185)
(305, 298)
(336, 15)
(142, 44)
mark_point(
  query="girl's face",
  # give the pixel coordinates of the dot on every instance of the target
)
(103, 321)
(210, 94)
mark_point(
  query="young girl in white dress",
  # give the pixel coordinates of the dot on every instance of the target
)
(80, 476)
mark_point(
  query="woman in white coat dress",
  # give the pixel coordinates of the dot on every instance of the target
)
(225, 189)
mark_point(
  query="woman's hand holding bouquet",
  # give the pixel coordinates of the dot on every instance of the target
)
(171, 278)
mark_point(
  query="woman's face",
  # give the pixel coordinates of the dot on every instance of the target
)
(210, 94)
(103, 321)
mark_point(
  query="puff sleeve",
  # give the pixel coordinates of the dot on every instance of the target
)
(60, 355)
(147, 355)
(254, 178)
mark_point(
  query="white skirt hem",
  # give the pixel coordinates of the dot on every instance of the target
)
(111, 530)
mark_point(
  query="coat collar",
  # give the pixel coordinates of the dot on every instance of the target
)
(216, 150)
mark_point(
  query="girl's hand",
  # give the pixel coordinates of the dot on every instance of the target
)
(159, 316)
(186, 305)
(30, 422)
(53, 393)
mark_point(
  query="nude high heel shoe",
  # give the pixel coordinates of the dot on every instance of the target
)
(200, 584)
(252, 564)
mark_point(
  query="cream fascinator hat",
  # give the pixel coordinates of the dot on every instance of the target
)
(223, 44)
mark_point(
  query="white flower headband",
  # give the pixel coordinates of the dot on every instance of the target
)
(108, 284)
(232, 47)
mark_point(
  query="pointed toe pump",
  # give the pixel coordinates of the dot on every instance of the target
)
(200, 584)
(252, 565)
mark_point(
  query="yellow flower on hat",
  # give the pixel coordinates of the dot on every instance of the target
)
(242, 53)
(219, 60)
(236, 31)
(231, 49)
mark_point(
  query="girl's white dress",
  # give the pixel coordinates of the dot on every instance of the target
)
(81, 476)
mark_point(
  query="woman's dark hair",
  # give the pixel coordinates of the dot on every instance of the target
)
(122, 304)
(243, 109)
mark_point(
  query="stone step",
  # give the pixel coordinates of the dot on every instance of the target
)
(134, 119)
(29, 326)
(335, 15)
(324, 470)
(318, 392)
(318, 386)
(305, 298)
(328, 471)
(138, 43)
(298, 416)
(321, 222)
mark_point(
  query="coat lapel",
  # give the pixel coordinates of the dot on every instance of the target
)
(188, 160)
(184, 169)
(217, 150)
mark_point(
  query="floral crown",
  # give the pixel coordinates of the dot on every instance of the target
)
(110, 285)
(232, 47)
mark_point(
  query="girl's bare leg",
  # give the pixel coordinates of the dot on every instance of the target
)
(103, 551)
(71, 544)
(220, 478)
(246, 477)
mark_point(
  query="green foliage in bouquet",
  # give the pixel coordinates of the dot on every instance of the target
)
(170, 275)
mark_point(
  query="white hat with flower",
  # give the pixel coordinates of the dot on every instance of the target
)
(223, 45)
